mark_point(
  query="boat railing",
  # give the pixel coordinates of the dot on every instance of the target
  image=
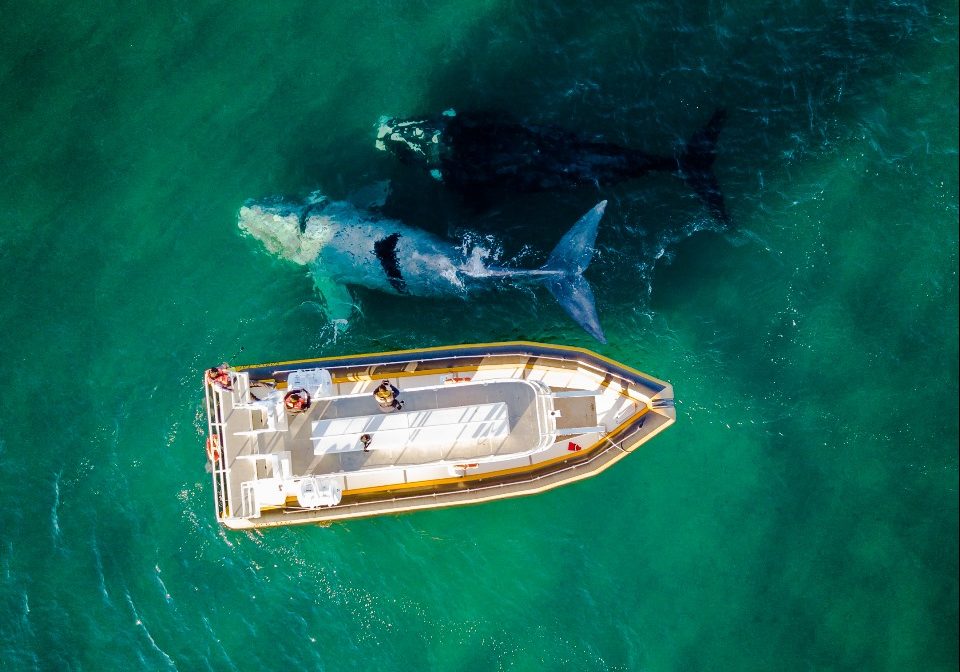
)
(248, 500)
(362, 365)
(215, 450)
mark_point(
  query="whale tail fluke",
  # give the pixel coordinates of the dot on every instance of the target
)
(567, 263)
(696, 165)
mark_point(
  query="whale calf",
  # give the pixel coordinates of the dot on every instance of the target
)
(345, 244)
(470, 152)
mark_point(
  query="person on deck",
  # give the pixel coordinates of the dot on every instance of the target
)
(220, 376)
(297, 401)
(386, 396)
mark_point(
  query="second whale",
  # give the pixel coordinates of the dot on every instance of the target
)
(473, 152)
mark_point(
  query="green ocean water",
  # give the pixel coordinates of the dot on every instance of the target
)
(802, 514)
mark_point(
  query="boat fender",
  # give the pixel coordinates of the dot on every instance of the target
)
(213, 448)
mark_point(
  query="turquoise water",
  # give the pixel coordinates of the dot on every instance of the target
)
(802, 513)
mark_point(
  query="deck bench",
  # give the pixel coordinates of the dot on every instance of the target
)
(441, 428)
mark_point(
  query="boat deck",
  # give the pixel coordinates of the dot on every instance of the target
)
(464, 422)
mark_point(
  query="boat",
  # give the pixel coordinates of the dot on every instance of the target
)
(337, 438)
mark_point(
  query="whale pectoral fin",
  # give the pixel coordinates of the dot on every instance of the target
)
(371, 197)
(338, 304)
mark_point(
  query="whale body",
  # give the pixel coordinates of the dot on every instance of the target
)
(343, 244)
(471, 152)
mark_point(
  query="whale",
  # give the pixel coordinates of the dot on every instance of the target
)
(476, 152)
(344, 243)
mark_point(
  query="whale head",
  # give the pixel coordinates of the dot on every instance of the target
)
(416, 141)
(295, 232)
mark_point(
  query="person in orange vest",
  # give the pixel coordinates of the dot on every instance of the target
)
(220, 376)
(386, 396)
(297, 401)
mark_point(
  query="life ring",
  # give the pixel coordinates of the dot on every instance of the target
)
(213, 448)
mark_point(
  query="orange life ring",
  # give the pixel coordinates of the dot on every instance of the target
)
(213, 448)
